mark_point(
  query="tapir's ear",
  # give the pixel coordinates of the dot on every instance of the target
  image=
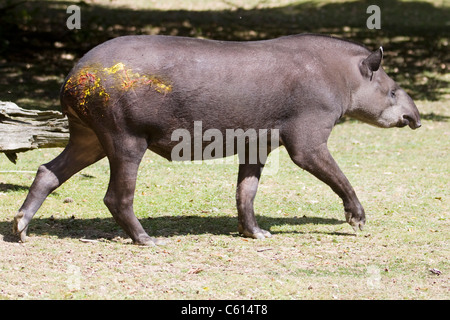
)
(372, 63)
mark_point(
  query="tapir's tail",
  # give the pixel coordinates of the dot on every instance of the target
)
(64, 98)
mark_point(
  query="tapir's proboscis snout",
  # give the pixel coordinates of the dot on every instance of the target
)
(411, 121)
(411, 117)
(137, 93)
(409, 113)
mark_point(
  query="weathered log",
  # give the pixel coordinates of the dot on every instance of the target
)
(22, 130)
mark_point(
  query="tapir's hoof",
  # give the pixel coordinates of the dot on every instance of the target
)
(356, 225)
(20, 226)
(355, 222)
(255, 233)
(149, 241)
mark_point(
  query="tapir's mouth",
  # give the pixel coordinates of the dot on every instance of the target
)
(410, 121)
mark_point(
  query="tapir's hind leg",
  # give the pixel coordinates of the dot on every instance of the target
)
(124, 153)
(82, 150)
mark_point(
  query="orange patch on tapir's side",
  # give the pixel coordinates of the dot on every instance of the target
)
(89, 83)
(86, 85)
(129, 79)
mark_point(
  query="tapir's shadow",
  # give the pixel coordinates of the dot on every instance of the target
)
(164, 226)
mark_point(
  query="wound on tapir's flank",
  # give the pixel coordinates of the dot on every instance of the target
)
(85, 85)
(129, 79)
(90, 83)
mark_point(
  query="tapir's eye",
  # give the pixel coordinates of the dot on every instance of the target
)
(392, 94)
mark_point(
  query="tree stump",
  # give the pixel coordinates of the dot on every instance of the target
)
(22, 130)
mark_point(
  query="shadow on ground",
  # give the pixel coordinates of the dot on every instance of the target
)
(106, 228)
(37, 50)
(7, 187)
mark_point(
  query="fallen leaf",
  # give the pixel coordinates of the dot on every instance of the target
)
(435, 271)
(195, 270)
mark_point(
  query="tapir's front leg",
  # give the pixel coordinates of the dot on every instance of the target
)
(247, 186)
(322, 165)
(309, 151)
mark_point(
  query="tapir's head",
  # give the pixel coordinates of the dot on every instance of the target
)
(379, 100)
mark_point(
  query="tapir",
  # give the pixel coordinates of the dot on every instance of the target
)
(131, 93)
